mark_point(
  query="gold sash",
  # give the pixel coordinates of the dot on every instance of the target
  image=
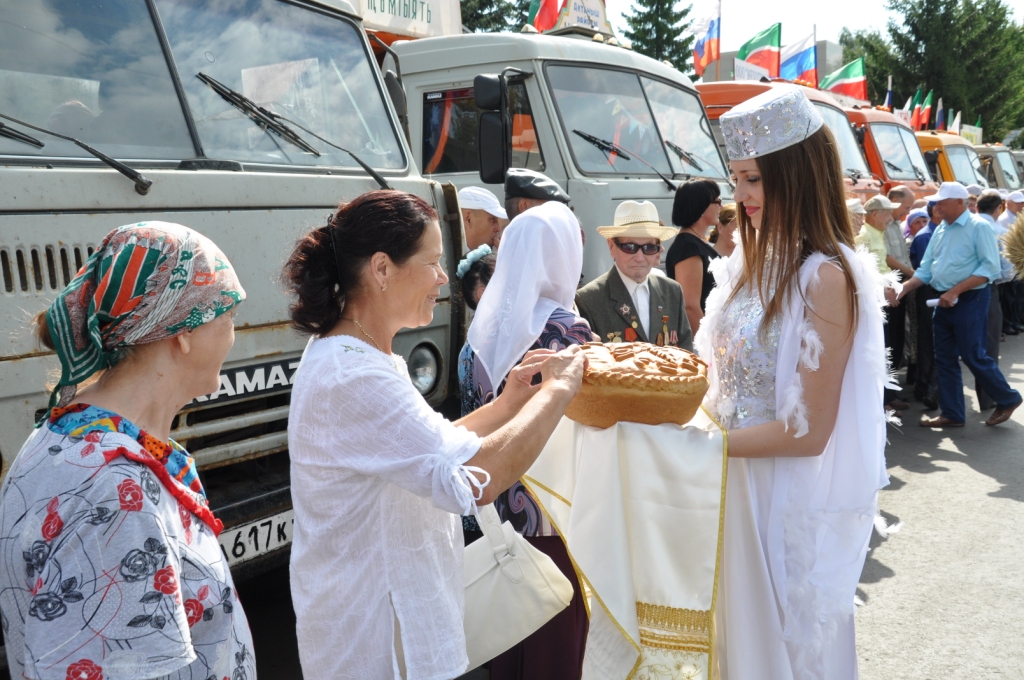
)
(640, 508)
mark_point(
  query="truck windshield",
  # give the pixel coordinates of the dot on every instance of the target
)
(1009, 169)
(608, 104)
(96, 75)
(899, 150)
(966, 165)
(849, 150)
(309, 67)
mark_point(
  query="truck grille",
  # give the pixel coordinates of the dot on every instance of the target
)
(222, 434)
(37, 269)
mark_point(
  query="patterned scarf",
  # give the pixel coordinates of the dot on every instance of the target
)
(145, 282)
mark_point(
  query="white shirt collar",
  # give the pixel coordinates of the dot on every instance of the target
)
(632, 285)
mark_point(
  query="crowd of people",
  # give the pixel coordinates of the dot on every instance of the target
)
(112, 566)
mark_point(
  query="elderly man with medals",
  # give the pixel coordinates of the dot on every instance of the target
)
(628, 303)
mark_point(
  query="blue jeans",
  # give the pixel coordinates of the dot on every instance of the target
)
(960, 331)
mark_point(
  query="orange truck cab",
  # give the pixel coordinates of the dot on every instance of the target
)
(892, 151)
(951, 158)
(721, 96)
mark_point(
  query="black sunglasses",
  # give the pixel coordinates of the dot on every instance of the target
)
(631, 248)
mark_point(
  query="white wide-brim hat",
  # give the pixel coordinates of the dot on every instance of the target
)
(638, 219)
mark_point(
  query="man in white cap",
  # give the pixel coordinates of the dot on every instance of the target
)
(1014, 204)
(483, 218)
(627, 304)
(974, 193)
(961, 261)
(873, 236)
(857, 212)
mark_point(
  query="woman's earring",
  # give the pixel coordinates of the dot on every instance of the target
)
(383, 288)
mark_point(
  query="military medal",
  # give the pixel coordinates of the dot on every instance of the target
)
(673, 338)
(614, 337)
(624, 309)
(630, 333)
(664, 329)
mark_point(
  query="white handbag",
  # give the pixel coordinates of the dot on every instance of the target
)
(512, 589)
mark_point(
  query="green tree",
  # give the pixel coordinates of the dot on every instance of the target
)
(488, 16)
(658, 29)
(878, 59)
(970, 51)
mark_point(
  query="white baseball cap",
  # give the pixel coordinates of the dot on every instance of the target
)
(880, 202)
(477, 198)
(1004, 194)
(949, 190)
(1016, 196)
(974, 189)
(855, 206)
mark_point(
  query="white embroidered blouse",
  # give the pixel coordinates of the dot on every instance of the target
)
(378, 484)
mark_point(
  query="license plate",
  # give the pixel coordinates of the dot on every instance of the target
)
(243, 543)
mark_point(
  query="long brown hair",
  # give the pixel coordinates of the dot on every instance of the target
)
(804, 212)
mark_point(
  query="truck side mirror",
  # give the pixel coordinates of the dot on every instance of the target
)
(494, 140)
(858, 132)
(396, 91)
(487, 91)
(494, 146)
(931, 156)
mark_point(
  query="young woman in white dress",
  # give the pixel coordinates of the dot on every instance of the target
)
(793, 336)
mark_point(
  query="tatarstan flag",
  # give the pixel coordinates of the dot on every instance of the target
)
(926, 111)
(848, 81)
(915, 110)
(544, 14)
(763, 50)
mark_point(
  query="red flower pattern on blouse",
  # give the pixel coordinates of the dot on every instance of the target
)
(84, 669)
(129, 493)
(166, 581)
(193, 611)
(53, 524)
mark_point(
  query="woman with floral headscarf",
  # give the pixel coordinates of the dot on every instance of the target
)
(109, 560)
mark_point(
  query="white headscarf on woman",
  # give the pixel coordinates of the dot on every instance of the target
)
(539, 263)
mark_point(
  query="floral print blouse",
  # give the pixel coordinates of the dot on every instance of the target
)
(110, 567)
(515, 505)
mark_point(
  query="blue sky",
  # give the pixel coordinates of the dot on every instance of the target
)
(741, 19)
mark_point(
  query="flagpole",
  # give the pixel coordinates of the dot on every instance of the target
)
(718, 62)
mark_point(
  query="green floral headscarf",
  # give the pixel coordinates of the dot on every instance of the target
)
(145, 282)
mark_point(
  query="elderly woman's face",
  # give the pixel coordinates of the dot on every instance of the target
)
(208, 347)
(749, 189)
(414, 291)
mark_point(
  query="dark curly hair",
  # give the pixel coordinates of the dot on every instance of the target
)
(479, 273)
(390, 222)
(691, 200)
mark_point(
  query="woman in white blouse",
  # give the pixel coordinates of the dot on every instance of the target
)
(379, 479)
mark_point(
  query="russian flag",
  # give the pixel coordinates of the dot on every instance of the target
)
(800, 62)
(705, 47)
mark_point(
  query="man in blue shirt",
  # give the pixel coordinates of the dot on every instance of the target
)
(961, 260)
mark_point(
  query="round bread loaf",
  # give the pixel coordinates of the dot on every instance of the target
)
(639, 383)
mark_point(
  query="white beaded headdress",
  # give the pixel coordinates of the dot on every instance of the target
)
(773, 120)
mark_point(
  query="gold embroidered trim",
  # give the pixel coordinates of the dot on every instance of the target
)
(670, 618)
(675, 643)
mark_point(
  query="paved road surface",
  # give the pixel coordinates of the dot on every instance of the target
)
(943, 597)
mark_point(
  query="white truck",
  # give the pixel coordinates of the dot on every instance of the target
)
(607, 124)
(231, 118)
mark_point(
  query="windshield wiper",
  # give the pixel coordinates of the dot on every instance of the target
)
(142, 184)
(683, 155)
(383, 183)
(893, 166)
(607, 147)
(263, 119)
(688, 156)
(18, 136)
(854, 173)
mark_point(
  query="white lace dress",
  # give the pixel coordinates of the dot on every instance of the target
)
(378, 484)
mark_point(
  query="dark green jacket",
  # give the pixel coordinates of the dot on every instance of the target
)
(606, 305)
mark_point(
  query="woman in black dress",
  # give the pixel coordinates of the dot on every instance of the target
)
(694, 210)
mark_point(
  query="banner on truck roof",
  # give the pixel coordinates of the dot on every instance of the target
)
(744, 70)
(850, 102)
(412, 18)
(586, 13)
(971, 133)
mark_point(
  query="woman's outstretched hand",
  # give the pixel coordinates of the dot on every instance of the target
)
(566, 367)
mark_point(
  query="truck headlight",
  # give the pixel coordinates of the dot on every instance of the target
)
(423, 369)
